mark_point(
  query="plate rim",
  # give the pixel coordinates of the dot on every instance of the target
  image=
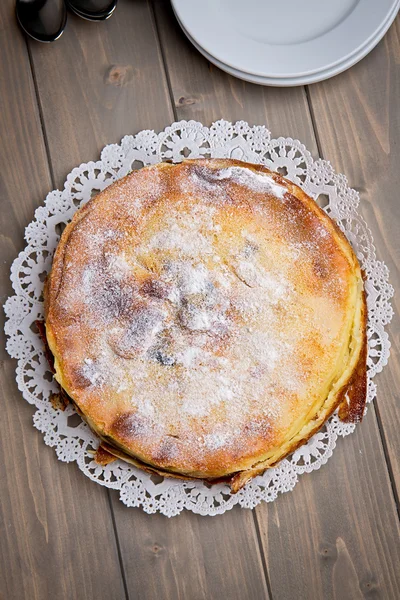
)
(191, 13)
(319, 76)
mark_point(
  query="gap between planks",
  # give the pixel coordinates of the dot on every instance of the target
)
(41, 116)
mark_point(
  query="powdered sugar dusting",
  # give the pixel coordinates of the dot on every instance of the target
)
(255, 180)
(274, 286)
(181, 331)
(216, 440)
(186, 232)
(92, 372)
(118, 265)
(186, 323)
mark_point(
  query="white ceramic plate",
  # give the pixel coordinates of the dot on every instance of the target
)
(256, 37)
(305, 80)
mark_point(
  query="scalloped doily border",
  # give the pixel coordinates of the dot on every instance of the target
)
(70, 436)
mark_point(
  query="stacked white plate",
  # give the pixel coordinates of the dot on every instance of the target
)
(285, 43)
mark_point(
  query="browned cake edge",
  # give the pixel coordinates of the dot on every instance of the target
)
(350, 399)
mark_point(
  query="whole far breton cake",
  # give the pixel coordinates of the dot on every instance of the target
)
(206, 318)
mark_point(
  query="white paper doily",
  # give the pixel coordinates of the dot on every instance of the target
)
(65, 431)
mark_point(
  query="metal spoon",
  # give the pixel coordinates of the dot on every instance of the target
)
(93, 10)
(43, 20)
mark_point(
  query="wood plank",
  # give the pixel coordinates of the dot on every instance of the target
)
(192, 557)
(364, 143)
(186, 556)
(336, 534)
(51, 519)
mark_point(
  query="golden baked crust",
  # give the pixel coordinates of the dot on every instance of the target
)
(207, 318)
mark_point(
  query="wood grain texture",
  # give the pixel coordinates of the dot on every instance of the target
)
(191, 557)
(116, 86)
(336, 535)
(364, 143)
(54, 528)
(186, 557)
(330, 537)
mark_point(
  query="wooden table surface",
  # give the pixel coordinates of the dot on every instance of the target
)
(61, 535)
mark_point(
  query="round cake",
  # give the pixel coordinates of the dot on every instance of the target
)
(206, 318)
